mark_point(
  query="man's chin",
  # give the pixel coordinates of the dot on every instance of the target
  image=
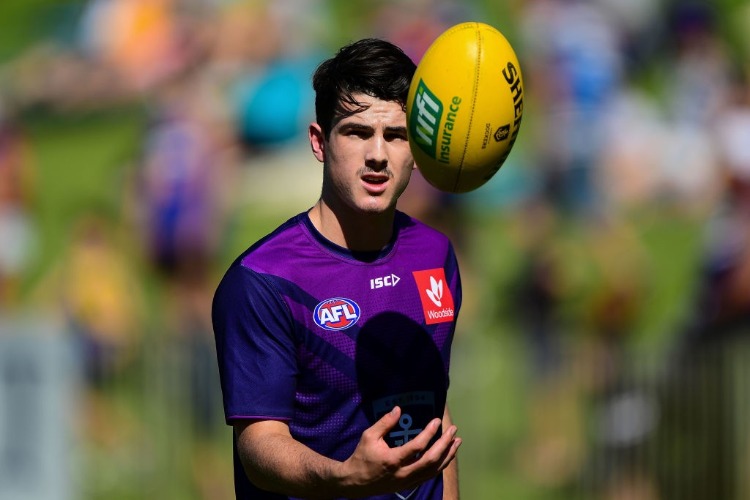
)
(376, 207)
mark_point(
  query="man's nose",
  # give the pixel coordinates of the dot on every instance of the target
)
(377, 154)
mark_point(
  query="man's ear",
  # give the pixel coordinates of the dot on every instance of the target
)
(317, 141)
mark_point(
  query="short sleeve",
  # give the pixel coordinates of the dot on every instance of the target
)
(255, 347)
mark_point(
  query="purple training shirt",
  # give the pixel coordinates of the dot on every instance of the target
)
(330, 340)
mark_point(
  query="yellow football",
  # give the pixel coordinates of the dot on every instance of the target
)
(465, 107)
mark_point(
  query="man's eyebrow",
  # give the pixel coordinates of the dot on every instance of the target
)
(352, 126)
(397, 129)
(361, 127)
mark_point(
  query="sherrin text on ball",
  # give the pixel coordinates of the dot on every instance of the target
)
(465, 107)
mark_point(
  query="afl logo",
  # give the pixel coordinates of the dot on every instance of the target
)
(336, 314)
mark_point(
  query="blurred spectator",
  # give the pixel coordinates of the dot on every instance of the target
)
(137, 40)
(701, 395)
(246, 38)
(181, 199)
(266, 58)
(697, 66)
(181, 193)
(101, 297)
(122, 49)
(696, 72)
(573, 58)
(271, 107)
(723, 292)
(537, 290)
(629, 175)
(623, 413)
(18, 231)
(613, 307)
(96, 290)
(551, 454)
(640, 28)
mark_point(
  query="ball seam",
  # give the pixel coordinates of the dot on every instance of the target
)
(477, 73)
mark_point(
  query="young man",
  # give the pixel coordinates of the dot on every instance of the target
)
(333, 332)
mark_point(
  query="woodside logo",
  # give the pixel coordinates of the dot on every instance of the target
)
(437, 301)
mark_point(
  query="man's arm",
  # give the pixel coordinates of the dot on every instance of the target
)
(275, 461)
(450, 474)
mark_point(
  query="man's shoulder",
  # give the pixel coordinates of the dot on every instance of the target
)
(253, 272)
(272, 246)
(419, 233)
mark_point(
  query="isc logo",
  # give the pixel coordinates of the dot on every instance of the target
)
(336, 314)
(425, 119)
(390, 280)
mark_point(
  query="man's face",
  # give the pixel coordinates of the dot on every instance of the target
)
(367, 160)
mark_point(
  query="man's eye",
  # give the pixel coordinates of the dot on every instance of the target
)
(396, 137)
(362, 134)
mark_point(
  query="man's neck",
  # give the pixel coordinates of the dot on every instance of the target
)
(356, 232)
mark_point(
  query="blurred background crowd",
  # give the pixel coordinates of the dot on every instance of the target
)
(602, 351)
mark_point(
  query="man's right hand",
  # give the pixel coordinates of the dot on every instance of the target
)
(376, 468)
(275, 461)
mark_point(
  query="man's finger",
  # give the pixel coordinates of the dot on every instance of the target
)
(414, 449)
(380, 428)
(439, 454)
(452, 451)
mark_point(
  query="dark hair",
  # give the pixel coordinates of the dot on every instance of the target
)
(369, 66)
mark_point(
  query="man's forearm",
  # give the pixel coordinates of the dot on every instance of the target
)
(450, 474)
(275, 461)
(450, 481)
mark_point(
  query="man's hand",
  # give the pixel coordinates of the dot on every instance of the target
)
(275, 461)
(376, 468)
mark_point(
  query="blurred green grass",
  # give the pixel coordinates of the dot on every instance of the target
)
(23, 23)
(80, 161)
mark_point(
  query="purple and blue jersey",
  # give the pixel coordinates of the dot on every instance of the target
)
(329, 340)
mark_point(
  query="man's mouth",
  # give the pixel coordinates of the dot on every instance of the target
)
(375, 179)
